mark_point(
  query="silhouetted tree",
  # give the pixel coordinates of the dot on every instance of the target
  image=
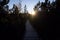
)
(15, 9)
(4, 2)
(6, 8)
(44, 23)
(25, 9)
(20, 6)
(37, 7)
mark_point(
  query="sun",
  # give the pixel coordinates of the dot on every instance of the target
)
(32, 13)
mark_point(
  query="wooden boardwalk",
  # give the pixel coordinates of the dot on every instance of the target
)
(30, 33)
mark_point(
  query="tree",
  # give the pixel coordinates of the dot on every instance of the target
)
(46, 1)
(37, 7)
(6, 8)
(20, 6)
(44, 23)
(15, 9)
(4, 2)
(25, 9)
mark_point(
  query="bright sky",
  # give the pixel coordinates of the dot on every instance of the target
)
(29, 3)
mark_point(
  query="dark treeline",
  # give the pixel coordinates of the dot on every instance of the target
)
(12, 23)
(46, 22)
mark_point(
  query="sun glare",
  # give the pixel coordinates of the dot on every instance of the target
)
(32, 13)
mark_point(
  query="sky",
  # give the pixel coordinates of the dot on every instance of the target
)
(29, 3)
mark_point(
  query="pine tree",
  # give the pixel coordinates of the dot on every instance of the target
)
(37, 7)
(15, 9)
(20, 6)
(25, 9)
